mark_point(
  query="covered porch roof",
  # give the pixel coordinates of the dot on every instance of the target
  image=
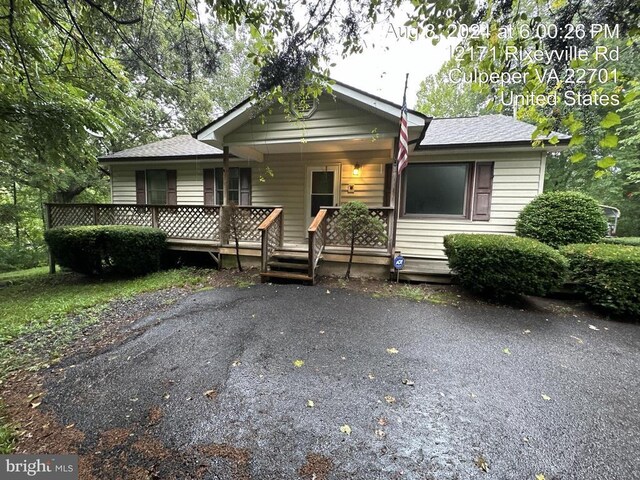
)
(347, 119)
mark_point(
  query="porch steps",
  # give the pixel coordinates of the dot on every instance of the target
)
(297, 277)
(288, 265)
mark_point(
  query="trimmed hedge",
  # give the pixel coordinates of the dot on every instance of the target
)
(503, 265)
(562, 218)
(121, 249)
(607, 275)
(633, 241)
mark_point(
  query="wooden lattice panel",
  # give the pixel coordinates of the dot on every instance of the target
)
(124, 215)
(190, 222)
(70, 215)
(274, 239)
(335, 238)
(249, 219)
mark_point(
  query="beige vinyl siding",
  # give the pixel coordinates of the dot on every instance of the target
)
(333, 118)
(287, 186)
(189, 180)
(518, 178)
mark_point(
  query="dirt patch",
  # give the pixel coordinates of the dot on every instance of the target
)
(151, 448)
(238, 457)
(317, 467)
(155, 415)
(36, 430)
(113, 438)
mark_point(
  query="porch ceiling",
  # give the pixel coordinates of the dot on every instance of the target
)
(256, 151)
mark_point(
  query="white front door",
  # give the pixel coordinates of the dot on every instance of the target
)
(322, 190)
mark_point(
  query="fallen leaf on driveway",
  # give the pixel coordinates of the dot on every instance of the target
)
(481, 463)
(593, 327)
(371, 377)
(236, 363)
(407, 382)
(211, 394)
(546, 397)
(328, 292)
(382, 421)
(472, 395)
(310, 404)
(35, 403)
(345, 429)
(298, 363)
(579, 340)
(506, 351)
(540, 476)
(392, 351)
(380, 433)
(389, 399)
(526, 331)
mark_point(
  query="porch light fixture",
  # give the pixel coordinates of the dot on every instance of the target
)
(356, 170)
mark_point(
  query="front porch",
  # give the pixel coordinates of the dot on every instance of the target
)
(260, 234)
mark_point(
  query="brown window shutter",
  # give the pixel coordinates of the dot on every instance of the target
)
(141, 190)
(386, 200)
(209, 185)
(245, 186)
(483, 187)
(172, 187)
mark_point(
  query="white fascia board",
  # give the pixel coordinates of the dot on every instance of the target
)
(389, 111)
(227, 120)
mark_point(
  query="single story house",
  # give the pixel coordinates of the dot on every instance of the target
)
(289, 177)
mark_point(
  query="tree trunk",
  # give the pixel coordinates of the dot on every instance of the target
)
(353, 242)
(15, 210)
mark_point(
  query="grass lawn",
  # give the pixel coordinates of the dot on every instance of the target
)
(33, 298)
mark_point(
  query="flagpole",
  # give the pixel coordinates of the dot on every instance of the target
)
(396, 210)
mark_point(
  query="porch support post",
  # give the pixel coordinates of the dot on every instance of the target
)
(225, 175)
(224, 231)
(393, 201)
(47, 226)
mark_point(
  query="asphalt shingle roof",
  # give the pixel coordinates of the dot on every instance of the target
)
(479, 130)
(178, 146)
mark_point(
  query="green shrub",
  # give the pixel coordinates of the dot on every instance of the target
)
(607, 275)
(633, 241)
(121, 249)
(562, 218)
(503, 265)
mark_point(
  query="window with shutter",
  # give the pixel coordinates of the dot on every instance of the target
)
(482, 191)
(239, 185)
(141, 191)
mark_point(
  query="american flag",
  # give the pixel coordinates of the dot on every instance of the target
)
(403, 141)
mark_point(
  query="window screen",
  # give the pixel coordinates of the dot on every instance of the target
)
(436, 189)
(157, 187)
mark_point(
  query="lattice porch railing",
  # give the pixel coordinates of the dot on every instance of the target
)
(364, 240)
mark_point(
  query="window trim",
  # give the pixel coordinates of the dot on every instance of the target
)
(468, 193)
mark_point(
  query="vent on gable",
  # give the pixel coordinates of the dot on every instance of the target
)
(303, 109)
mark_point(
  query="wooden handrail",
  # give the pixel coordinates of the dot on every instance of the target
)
(266, 223)
(317, 220)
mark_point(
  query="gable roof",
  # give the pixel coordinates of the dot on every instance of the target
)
(178, 147)
(482, 130)
(243, 112)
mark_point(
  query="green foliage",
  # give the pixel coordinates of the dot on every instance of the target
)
(122, 249)
(633, 241)
(608, 276)
(502, 265)
(561, 218)
(439, 97)
(354, 220)
(18, 257)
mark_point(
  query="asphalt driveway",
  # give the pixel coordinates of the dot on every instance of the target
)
(219, 386)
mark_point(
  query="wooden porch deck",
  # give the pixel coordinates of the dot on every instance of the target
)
(260, 232)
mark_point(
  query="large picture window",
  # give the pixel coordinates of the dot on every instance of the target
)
(437, 189)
